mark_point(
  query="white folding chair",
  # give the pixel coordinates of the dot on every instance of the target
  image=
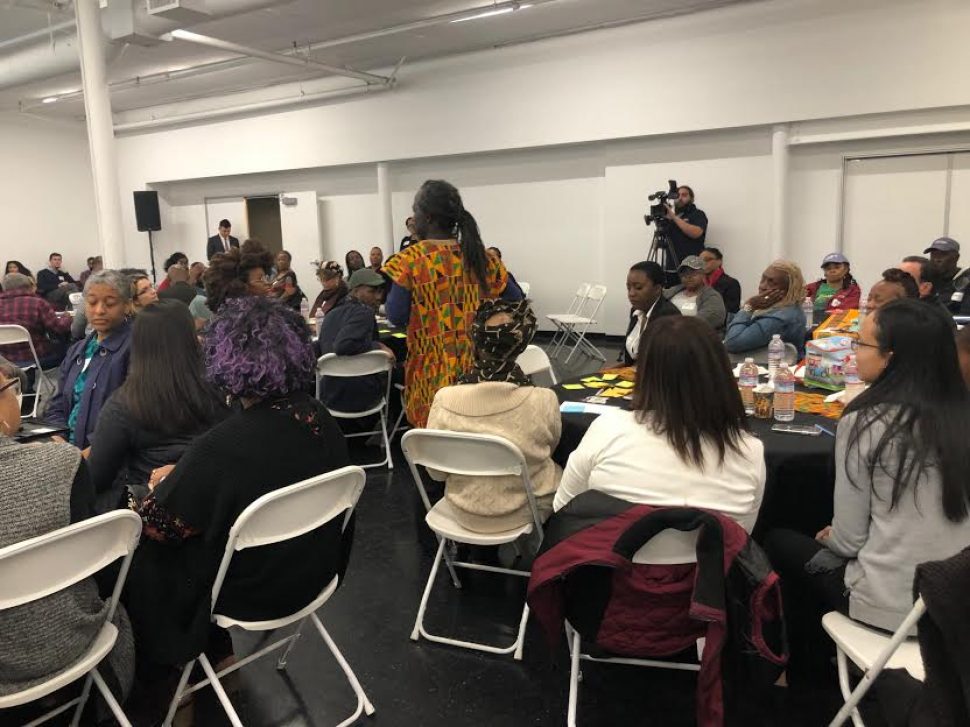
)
(349, 367)
(398, 426)
(578, 325)
(18, 334)
(76, 300)
(668, 547)
(525, 288)
(564, 321)
(872, 651)
(534, 361)
(275, 517)
(36, 568)
(478, 455)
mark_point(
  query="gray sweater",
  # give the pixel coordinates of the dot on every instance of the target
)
(884, 546)
(45, 637)
(710, 305)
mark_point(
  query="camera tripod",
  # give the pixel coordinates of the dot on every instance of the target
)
(662, 253)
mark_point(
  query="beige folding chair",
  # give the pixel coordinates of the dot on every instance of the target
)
(872, 651)
(18, 334)
(37, 568)
(479, 455)
(364, 364)
(275, 517)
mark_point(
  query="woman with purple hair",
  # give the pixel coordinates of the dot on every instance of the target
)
(258, 353)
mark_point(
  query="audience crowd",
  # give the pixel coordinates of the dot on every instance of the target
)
(170, 402)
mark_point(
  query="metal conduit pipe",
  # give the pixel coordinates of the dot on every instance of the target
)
(276, 57)
(155, 123)
(44, 60)
(216, 66)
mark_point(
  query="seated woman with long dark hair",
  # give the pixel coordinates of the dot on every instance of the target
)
(164, 404)
(258, 353)
(901, 487)
(685, 441)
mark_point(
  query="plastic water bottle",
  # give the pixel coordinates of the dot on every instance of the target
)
(853, 384)
(747, 381)
(808, 310)
(305, 308)
(784, 399)
(776, 354)
(319, 319)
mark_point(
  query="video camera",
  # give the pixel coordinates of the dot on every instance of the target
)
(658, 211)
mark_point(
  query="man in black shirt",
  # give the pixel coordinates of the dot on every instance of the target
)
(728, 287)
(687, 227)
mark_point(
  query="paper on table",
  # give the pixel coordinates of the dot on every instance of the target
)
(399, 335)
(625, 384)
(578, 407)
(613, 393)
(596, 384)
(572, 387)
(383, 330)
(609, 377)
(591, 378)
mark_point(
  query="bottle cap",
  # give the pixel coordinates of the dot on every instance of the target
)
(749, 360)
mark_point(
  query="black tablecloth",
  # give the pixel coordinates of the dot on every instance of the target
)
(396, 340)
(801, 469)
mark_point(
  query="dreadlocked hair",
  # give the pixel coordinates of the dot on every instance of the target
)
(441, 202)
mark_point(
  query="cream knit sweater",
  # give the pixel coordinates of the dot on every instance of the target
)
(528, 416)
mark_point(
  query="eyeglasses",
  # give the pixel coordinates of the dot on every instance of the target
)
(855, 344)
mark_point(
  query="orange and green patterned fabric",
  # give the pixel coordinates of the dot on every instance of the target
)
(444, 300)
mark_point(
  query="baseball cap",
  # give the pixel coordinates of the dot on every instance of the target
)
(944, 244)
(365, 276)
(691, 261)
(835, 257)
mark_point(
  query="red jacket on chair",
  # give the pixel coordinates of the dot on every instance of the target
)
(585, 573)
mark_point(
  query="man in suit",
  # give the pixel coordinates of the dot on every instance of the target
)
(222, 242)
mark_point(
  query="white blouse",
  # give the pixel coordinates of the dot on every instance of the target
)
(621, 457)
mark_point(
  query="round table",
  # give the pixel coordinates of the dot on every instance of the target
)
(395, 339)
(801, 469)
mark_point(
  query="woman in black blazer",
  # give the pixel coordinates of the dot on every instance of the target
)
(644, 290)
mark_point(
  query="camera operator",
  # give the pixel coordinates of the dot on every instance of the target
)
(688, 225)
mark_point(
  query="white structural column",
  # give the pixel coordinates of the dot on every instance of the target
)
(779, 201)
(101, 141)
(384, 200)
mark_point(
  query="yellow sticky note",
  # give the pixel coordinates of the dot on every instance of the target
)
(596, 384)
(609, 377)
(613, 393)
(399, 335)
(383, 330)
(591, 378)
(625, 384)
(572, 387)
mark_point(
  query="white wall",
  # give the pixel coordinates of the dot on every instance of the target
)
(46, 197)
(556, 144)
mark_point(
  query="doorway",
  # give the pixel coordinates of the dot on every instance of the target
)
(263, 216)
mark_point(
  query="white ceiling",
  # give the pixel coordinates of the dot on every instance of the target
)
(302, 22)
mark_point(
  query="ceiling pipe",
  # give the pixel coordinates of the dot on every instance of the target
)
(47, 33)
(291, 101)
(46, 60)
(216, 66)
(276, 57)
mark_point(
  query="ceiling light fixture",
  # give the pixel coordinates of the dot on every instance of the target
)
(49, 99)
(491, 13)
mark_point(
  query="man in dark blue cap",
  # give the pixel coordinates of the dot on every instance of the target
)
(944, 254)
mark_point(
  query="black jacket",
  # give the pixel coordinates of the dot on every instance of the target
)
(253, 452)
(730, 290)
(179, 291)
(349, 329)
(48, 281)
(124, 453)
(215, 245)
(663, 308)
